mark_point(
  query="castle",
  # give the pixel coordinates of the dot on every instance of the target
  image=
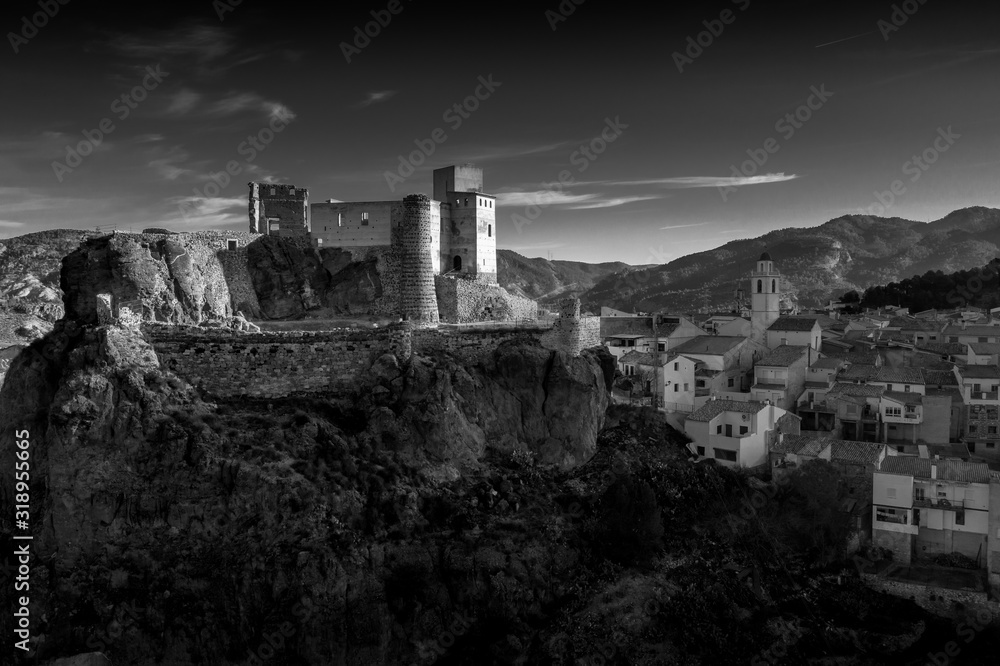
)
(442, 250)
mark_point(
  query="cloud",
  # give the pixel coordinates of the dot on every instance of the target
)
(166, 165)
(182, 102)
(205, 212)
(685, 182)
(684, 226)
(541, 198)
(7, 224)
(609, 202)
(378, 96)
(193, 46)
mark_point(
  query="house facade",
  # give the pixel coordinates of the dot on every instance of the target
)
(737, 434)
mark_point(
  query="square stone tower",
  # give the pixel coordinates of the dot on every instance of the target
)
(279, 210)
(765, 297)
(468, 223)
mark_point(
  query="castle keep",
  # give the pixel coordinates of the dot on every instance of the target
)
(438, 253)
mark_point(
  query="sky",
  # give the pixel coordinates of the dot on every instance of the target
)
(608, 132)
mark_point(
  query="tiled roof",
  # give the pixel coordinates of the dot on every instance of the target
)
(861, 371)
(827, 363)
(986, 331)
(855, 355)
(783, 356)
(793, 323)
(899, 375)
(639, 358)
(904, 398)
(947, 470)
(910, 324)
(705, 372)
(940, 378)
(817, 385)
(713, 408)
(715, 345)
(861, 453)
(950, 392)
(856, 390)
(985, 347)
(794, 444)
(979, 371)
(943, 348)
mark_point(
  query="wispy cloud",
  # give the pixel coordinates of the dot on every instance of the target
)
(837, 41)
(377, 96)
(166, 163)
(7, 224)
(684, 182)
(685, 226)
(609, 202)
(540, 198)
(182, 102)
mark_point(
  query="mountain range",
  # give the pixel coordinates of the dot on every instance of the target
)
(817, 263)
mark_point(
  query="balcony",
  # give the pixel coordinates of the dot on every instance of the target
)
(990, 396)
(909, 417)
(702, 392)
(938, 503)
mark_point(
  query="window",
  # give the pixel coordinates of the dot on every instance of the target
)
(918, 493)
(364, 219)
(906, 388)
(959, 517)
(760, 286)
(773, 289)
(992, 430)
(731, 382)
(984, 339)
(701, 450)
(718, 429)
(340, 219)
(916, 516)
(661, 346)
(685, 386)
(890, 493)
(676, 366)
(893, 411)
(744, 430)
(888, 387)
(677, 388)
(232, 243)
(489, 231)
(723, 454)
(273, 192)
(784, 341)
(973, 428)
(466, 201)
(291, 192)
(887, 515)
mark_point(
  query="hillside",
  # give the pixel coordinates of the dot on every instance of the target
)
(547, 281)
(849, 252)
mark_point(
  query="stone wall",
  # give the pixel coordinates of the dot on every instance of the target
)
(954, 604)
(470, 347)
(229, 364)
(900, 543)
(571, 332)
(463, 301)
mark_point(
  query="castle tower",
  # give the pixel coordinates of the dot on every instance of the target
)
(411, 236)
(765, 297)
(279, 210)
(468, 223)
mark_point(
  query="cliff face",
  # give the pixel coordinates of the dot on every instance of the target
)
(197, 530)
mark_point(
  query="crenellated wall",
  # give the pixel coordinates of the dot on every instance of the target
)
(571, 332)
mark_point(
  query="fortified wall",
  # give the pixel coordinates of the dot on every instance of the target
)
(231, 364)
(463, 301)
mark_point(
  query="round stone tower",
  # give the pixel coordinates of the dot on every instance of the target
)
(417, 298)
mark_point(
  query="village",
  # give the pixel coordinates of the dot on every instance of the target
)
(905, 407)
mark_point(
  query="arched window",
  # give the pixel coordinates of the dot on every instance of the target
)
(773, 289)
(457, 263)
(760, 286)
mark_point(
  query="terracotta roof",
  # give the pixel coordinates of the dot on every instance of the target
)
(713, 408)
(904, 398)
(827, 363)
(793, 323)
(940, 378)
(715, 345)
(861, 453)
(783, 356)
(947, 470)
(985, 331)
(949, 348)
(856, 390)
(985, 347)
(899, 375)
(817, 385)
(979, 371)
(861, 371)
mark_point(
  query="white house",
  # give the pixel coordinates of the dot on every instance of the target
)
(736, 433)
(795, 330)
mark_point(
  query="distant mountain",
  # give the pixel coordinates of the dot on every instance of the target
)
(849, 252)
(548, 281)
